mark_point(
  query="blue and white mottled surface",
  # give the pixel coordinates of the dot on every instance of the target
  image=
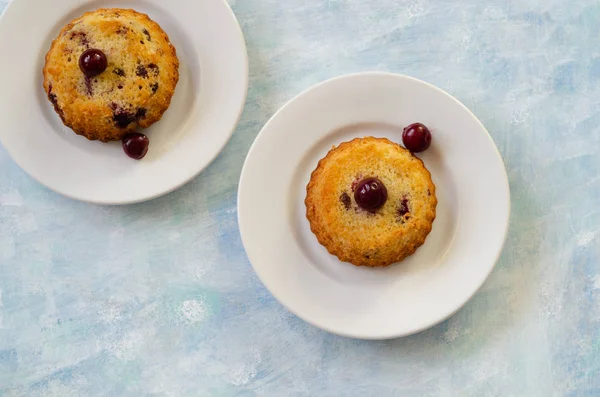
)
(158, 299)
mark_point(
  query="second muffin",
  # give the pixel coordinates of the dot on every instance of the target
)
(403, 208)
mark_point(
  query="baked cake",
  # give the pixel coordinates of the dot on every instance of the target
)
(109, 72)
(371, 202)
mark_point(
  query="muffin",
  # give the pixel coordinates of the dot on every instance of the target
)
(124, 81)
(370, 202)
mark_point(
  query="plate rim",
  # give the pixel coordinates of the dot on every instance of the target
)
(496, 256)
(185, 181)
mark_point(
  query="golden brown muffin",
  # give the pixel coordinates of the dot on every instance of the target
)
(134, 90)
(370, 238)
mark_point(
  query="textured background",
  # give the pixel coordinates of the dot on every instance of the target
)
(158, 299)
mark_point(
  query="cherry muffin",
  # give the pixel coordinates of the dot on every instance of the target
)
(371, 202)
(109, 72)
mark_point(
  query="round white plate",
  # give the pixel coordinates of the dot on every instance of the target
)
(407, 297)
(207, 104)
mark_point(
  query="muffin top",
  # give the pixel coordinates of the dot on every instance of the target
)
(133, 90)
(384, 227)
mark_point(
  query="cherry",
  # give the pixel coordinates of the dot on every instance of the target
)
(416, 137)
(92, 62)
(135, 145)
(370, 194)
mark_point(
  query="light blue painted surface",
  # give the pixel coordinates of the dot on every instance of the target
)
(158, 299)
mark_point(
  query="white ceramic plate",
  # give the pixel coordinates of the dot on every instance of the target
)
(467, 236)
(207, 104)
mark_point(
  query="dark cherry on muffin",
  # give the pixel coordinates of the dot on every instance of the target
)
(110, 72)
(371, 202)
